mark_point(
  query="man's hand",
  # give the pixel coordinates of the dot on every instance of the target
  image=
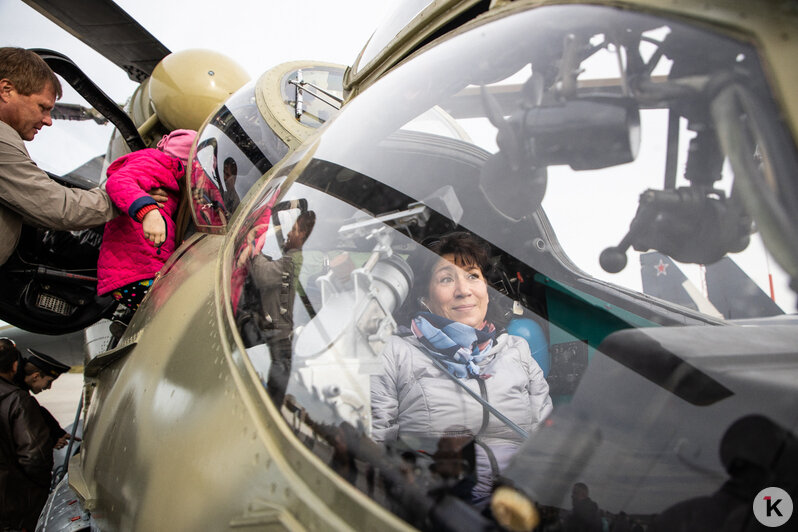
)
(62, 441)
(159, 195)
(246, 251)
(154, 227)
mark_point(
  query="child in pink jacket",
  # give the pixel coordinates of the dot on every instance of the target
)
(136, 244)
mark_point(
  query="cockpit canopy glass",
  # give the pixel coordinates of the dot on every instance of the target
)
(397, 19)
(631, 336)
(234, 149)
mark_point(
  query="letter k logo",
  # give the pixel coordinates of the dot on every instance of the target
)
(772, 506)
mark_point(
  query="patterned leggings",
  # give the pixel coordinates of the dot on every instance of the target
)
(131, 294)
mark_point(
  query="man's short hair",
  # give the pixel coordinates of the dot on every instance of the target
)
(27, 71)
(8, 355)
(306, 221)
(29, 369)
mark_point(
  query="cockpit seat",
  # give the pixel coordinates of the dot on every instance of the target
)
(532, 332)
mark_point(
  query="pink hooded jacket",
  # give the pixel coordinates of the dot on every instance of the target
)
(125, 255)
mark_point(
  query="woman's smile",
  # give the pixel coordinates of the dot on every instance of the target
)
(459, 294)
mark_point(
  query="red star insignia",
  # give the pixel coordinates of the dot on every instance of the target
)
(661, 267)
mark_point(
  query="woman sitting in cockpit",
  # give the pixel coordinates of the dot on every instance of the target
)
(453, 373)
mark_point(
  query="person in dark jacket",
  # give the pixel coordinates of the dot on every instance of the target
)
(757, 453)
(585, 513)
(26, 450)
(277, 282)
(35, 374)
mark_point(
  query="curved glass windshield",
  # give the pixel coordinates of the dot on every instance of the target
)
(399, 17)
(530, 257)
(234, 149)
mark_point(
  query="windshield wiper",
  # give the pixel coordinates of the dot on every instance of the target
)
(302, 85)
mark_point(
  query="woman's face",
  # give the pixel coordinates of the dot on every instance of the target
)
(458, 294)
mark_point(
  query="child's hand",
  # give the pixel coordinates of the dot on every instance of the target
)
(154, 227)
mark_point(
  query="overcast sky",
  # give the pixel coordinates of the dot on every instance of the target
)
(258, 35)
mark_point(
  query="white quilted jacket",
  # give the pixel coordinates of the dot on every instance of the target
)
(414, 398)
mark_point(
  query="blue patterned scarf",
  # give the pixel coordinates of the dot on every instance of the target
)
(458, 346)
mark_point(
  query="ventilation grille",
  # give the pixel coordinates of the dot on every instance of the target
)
(54, 304)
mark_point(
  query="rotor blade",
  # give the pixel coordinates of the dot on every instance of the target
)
(72, 111)
(109, 30)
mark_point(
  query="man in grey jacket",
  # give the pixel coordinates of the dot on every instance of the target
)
(28, 91)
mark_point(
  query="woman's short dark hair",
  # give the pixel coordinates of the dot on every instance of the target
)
(466, 249)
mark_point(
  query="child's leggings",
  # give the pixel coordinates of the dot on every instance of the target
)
(131, 294)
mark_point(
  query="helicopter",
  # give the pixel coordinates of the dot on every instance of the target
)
(568, 137)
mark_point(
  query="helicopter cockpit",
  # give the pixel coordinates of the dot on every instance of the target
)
(237, 145)
(572, 141)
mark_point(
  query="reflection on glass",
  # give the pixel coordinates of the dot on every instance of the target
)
(206, 197)
(234, 149)
(449, 372)
(275, 280)
(615, 396)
